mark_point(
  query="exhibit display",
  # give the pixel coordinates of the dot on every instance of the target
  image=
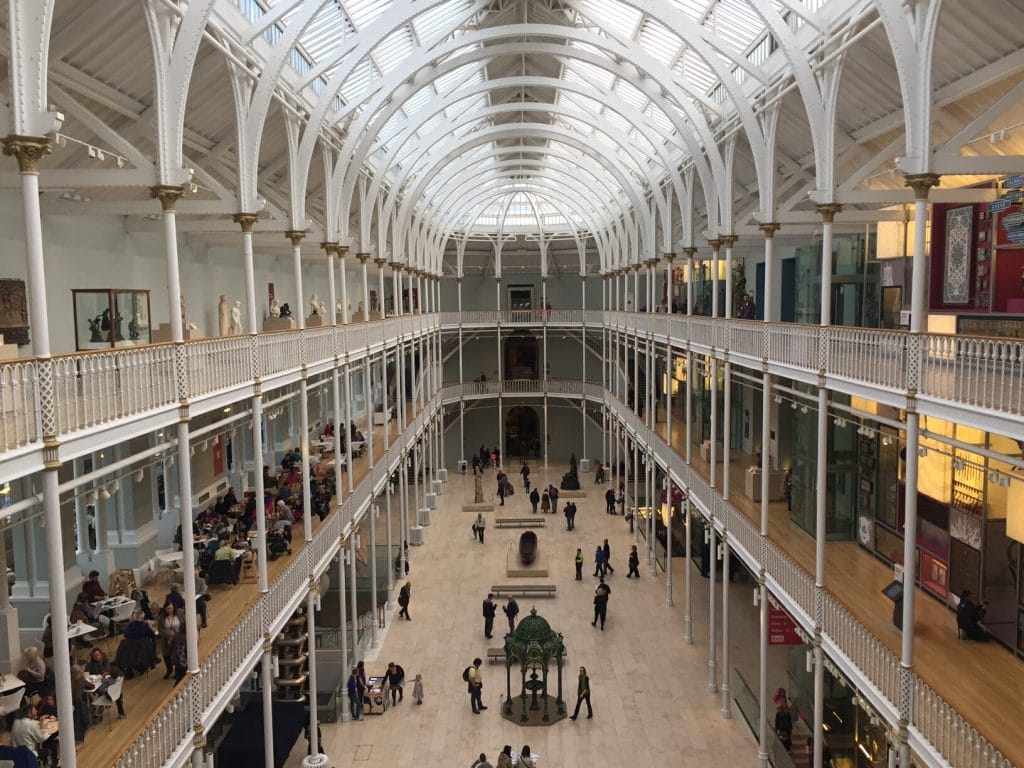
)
(110, 317)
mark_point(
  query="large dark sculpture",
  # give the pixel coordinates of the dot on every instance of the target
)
(528, 547)
(570, 480)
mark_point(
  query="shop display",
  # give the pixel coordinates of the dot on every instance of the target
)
(377, 700)
(13, 311)
(111, 317)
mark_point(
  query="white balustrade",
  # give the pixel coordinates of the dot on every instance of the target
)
(217, 364)
(19, 405)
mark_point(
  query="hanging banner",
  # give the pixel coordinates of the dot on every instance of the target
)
(781, 628)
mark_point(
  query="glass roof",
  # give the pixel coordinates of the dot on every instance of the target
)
(730, 32)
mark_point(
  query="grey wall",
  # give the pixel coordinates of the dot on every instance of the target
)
(563, 291)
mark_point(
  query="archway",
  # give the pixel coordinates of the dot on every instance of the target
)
(522, 432)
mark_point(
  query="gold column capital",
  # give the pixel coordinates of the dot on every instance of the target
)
(729, 240)
(828, 211)
(329, 246)
(380, 261)
(395, 265)
(295, 235)
(921, 183)
(167, 194)
(769, 228)
(28, 150)
(668, 256)
(690, 251)
(715, 244)
(341, 250)
(245, 220)
(651, 261)
(363, 257)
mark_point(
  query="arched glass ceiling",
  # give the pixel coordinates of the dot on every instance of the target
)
(577, 84)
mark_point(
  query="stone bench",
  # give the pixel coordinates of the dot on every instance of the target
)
(525, 590)
(519, 522)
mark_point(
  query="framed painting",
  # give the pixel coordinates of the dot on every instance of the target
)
(13, 311)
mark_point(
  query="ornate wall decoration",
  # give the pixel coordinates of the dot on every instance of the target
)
(13, 311)
(956, 287)
(965, 527)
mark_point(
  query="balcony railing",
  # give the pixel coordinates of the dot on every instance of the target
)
(91, 389)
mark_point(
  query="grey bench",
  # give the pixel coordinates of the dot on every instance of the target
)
(519, 522)
(525, 590)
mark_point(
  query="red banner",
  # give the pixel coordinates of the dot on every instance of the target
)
(781, 628)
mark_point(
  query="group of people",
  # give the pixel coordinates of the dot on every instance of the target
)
(526, 759)
(358, 688)
(548, 500)
(611, 500)
(486, 457)
(490, 610)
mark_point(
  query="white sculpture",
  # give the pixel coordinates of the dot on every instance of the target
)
(360, 308)
(316, 307)
(339, 307)
(275, 308)
(223, 315)
(235, 327)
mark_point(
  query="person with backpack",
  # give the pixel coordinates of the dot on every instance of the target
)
(609, 500)
(553, 495)
(475, 684)
(599, 561)
(403, 600)
(490, 609)
(534, 500)
(511, 610)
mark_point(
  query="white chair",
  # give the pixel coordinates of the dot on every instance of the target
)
(160, 567)
(10, 704)
(122, 615)
(108, 700)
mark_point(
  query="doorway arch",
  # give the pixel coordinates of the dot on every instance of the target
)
(522, 432)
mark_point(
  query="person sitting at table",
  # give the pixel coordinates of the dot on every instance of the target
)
(969, 616)
(175, 598)
(209, 517)
(170, 625)
(92, 588)
(328, 430)
(141, 598)
(285, 491)
(98, 663)
(225, 551)
(136, 653)
(230, 499)
(26, 731)
(34, 672)
(277, 544)
(112, 675)
(47, 706)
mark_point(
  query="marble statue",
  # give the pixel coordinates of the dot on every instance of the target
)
(223, 315)
(360, 308)
(275, 308)
(235, 326)
(316, 307)
(339, 307)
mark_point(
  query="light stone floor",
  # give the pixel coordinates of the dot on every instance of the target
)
(651, 701)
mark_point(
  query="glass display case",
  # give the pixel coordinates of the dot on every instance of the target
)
(110, 317)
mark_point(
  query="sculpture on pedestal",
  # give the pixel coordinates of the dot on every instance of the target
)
(316, 307)
(223, 315)
(235, 326)
(570, 480)
(286, 311)
(275, 308)
(478, 487)
(528, 547)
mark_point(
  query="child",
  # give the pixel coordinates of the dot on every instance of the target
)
(417, 689)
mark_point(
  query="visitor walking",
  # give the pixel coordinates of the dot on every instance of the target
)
(417, 688)
(525, 472)
(609, 500)
(490, 609)
(607, 558)
(579, 564)
(583, 694)
(479, 525)
(634, 563)
(534, 500)
(511, 610)
(599, 561)
(553, 495)
(545, 503)
(601, 604)
(355, 696)
(403, 600)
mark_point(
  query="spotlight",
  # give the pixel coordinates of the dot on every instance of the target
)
(804, 409)
(139, 476)
(922, 451)
(778, 399)
(91, 498)
(793, 405)
(104, 493)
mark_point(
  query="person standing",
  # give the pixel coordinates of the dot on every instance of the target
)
(599, 561)
(567, 511)
(784, 727)
(601, 604)
(787, 488)
(355, 696)
(476, 687)
(572, 516)
(480, 525)
(417, 688)
(490, 609)
(607, 558)
(583, 694)
(553, 495)
(511, 611)
(545, 503)
(525, 472)
(609, 500)
(579, 564)
(534, 499)
(403, 600)
(501, 487)
(396, 682)
(634, 563)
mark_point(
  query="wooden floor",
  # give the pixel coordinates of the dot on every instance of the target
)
(984, 682)
(146, 696)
